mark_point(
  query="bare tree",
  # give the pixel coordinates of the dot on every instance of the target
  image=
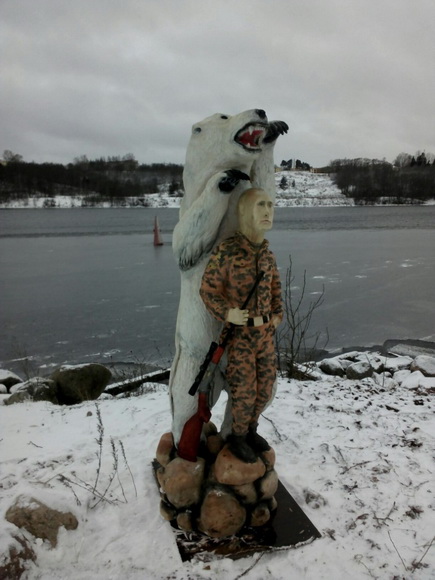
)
(402, 160)
(11, 157)
(296, 346)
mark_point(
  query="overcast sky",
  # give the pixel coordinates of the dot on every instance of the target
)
(352, 78)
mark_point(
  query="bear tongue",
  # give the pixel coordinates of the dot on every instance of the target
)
(250, 138)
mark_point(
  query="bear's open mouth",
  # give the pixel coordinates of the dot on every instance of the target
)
(250, 136)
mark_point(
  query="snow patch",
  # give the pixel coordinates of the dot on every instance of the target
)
(356, 455)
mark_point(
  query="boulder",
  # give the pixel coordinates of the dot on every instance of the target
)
(273, 504)
(427, 383)
(384, 381)
(36, 389)
(167, 511)
(376, 360)
(80, 383)
(39, 520)
(165, 449)
(400, 376)
(424, 364)
(18, 397)
(214, 444)
(221, 514)
(246, 493)
(359, 370)
(209, 429)
(230, 470)
(184, 521)
(260, 515)
(268, 485)
(14, 563)
(332, 366)
(9, 379)
(269, 458)
(182, 481)
(397, 363)
(160, 475)
(413, 380)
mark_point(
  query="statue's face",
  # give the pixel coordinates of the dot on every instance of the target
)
(261, 210)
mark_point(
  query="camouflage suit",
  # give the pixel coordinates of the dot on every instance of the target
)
(227, 280)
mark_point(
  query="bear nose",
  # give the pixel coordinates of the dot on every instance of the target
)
(261, 113)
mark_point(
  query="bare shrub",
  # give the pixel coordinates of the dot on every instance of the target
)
(296, 345)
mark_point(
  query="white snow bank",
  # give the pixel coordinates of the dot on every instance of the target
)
(361, 455)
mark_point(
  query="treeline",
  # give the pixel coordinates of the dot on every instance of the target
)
(410, 179)
(295, 164)
(106, 178)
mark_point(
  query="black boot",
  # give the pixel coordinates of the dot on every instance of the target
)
(256, 441)
(239, 447)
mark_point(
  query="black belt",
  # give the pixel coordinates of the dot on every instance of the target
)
(258, 320)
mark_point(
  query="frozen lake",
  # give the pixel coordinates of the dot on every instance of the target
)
(87, 284)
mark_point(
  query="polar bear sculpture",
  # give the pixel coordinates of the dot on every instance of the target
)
(225, 155)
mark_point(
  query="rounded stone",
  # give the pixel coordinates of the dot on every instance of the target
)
(40, 520)
(214, 444)
(209, 429)
(425, 364)
(273, 504)
(182, 481)
(260, 515)
(167, 512)
(221, 514)
(230, 470)
(160, 474)
(269, 458)
(269, 485)
(184, 521)
(246, 492)
(165, 448)
(80, 383)
(331, 366)
(359, 370)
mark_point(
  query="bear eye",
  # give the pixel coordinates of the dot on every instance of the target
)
(197, 130)
(224, 117)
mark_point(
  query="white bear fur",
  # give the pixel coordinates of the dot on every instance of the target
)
(208, 216)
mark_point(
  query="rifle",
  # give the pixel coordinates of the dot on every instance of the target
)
(191, 435)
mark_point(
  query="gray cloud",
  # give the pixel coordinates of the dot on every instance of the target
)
(107, 77)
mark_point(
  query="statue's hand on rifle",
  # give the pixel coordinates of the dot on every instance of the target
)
(237, 316)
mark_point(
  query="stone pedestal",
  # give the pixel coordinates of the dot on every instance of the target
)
(218, 494)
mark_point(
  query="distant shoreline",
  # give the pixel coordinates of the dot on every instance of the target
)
(302, 189)
(154, 201)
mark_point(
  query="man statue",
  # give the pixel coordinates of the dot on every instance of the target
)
(229, 275)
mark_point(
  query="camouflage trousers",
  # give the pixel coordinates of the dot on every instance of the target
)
(251, 373)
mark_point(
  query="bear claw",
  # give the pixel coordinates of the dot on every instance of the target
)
(276, 128)
(232, 178)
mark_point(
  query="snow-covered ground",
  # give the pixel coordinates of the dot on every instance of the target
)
(357, 455)
(302, 189)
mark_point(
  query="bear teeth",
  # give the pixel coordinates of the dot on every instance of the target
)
(250, 136)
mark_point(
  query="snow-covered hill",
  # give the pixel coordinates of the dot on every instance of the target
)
(302, 188)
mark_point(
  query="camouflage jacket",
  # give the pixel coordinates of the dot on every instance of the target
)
(231, 273)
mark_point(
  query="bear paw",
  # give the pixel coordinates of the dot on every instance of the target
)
(276, 128)
(232, 178)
